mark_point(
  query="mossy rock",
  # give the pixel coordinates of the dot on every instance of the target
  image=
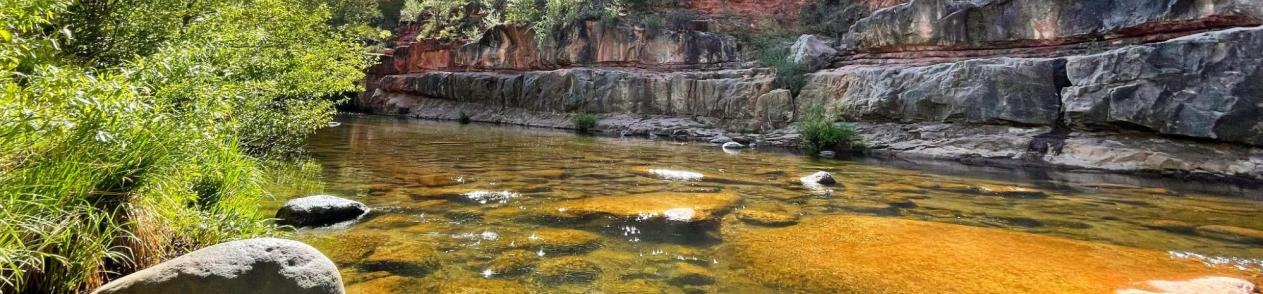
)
(857, 254)
(560, 241)
(389, 284)
(513, 262)
(350, 247)
(390, 221)
(1231, 233)
(766, 218)
(567, 269)
(990, 190)
(477, 286)
(404, 258)
(471, 214)
(637, 286)
(661, 206)
(691, 274)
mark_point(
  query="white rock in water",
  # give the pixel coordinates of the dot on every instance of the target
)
(263, 265)
(819, 178)
(733, 145)
(677, 175)
(683, 214)
(484, 197)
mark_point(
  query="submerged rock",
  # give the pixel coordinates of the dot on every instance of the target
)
(470, 285)
(1231, 233)
(766, 218)
(560, 241)
(733, 145)
(691, 274)
(263, 265)
(513, 262)
(567, 269)
(404, 258)
(319, 210)
(1217, 285)
(851, 254)
(661, 206)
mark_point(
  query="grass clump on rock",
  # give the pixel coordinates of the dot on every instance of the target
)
(820, 133)
(584, 121)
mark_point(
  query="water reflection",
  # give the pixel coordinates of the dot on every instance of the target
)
(475, 206)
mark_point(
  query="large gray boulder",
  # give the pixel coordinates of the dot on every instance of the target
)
(1207, 86)
(811, 51)
(319, 210)
(985, 91)
(263, 265)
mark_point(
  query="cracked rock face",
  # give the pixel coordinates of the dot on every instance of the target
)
(1003, 90)
(1207, 86)
(923, 25)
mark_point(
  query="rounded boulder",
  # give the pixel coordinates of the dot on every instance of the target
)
(319, 210)
(262, 265)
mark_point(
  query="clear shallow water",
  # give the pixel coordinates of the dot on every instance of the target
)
(463, 207)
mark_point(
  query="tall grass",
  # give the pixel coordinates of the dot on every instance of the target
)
(96, 181)
(820, 132)
(108, 165)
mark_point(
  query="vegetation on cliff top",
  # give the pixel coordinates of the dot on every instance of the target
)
(125, 127)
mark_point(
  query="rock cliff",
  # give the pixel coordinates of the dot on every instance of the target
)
(1166, 86)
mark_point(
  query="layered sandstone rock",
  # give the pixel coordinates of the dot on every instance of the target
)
(922, 25)
(590, 43)
(1129, 86)
(1206, 86)
(1022, 91)
(737, 96)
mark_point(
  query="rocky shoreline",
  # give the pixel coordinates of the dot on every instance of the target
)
(1164, 89)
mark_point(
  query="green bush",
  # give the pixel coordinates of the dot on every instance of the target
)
(831, 17)
(773, 52)
(819, 132)
(584, 121)
(464, 118)
(118, 155)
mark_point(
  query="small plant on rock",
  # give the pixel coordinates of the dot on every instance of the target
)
(819, 132)
(584, 121)
(464, 118)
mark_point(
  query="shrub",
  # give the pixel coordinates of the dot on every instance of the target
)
(117, 155)
(464, 118)
(774, 52)
(831, 17)
(819, 132)
(584, 121)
